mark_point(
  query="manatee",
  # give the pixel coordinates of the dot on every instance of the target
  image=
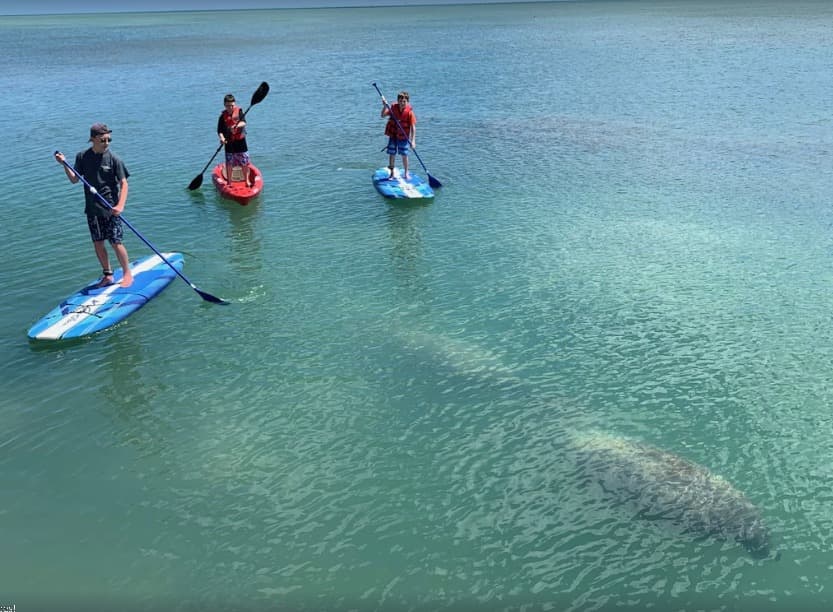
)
(664, 486)
(460, 356)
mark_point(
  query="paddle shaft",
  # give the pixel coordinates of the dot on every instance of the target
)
(206, 296)
(431, 180)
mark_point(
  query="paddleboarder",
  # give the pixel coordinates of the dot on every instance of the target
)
(231, 130)
(107, 174)
(400, 129)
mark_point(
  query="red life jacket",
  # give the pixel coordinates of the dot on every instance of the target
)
(231, 119)
(405, 118)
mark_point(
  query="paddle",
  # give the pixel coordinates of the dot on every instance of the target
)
(206, 296)
(431, 180)
(257, 97)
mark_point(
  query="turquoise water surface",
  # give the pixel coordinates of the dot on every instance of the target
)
(633, 236)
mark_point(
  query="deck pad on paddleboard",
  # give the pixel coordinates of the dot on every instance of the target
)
(238, 189)
(93, 308)
(399, 187)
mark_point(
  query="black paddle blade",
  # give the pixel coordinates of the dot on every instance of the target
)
(196, 183)
(434, 182)
(260, 93)
(211, 298)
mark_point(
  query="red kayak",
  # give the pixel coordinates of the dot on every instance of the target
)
(243, 186)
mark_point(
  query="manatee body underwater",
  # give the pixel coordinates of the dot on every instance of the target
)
(664, 486)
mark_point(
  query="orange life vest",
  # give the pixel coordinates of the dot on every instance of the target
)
(405, 118)
(231, 119)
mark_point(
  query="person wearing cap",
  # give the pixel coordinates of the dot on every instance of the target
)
(106, 172)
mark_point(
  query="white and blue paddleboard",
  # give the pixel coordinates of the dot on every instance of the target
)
(413, 187)
(93, 308)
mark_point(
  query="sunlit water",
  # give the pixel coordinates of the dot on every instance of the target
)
(633, 236)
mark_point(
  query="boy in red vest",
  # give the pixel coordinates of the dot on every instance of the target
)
(231, 130)
(400, 129)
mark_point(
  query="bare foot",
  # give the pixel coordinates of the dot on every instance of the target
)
(106, 280)
(126, 280)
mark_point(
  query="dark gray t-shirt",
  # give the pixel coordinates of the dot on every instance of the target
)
(105, 172)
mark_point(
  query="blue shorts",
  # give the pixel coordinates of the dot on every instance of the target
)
(397, 146)
(237, 159)
(105, 228)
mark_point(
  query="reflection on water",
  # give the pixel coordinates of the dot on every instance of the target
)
(130, 389)
(406, 252)
(246, 253)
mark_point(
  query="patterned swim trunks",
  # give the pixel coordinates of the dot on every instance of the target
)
(237, 159)
(105, 228)
(397, 146)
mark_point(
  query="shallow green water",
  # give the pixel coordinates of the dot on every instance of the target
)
(633, 235)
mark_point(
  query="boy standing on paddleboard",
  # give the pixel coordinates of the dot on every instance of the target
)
(400, 129)
(106, 172)
(231, 130)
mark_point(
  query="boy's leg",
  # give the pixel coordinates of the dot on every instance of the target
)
(121, 253)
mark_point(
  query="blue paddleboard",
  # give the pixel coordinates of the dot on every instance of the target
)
(94, 308)
(398, 187)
